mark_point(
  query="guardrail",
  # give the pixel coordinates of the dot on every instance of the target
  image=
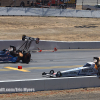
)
(18, 11)
(49, 45)
(30, 85)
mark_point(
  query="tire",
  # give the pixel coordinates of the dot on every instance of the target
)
(88, 9)
(26, 58)
(22, 4)
(51, 71)
(62, 7)
(23, 37)
(58, 74)
(43, 73)
(37, 40)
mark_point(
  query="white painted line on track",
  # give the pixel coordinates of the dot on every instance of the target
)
(47, 79)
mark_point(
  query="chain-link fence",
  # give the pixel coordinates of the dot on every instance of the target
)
(64, 4)
(39, 3)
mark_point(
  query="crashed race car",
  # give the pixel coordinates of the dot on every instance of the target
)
(89, 69)
(23, 53)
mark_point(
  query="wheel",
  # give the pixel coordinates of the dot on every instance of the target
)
(43, 73)
(37, 40)
(58, 74)
(23, 37)
(88, 9)
(22, 4)
(51, 71)
(26, 58)
(62, 7)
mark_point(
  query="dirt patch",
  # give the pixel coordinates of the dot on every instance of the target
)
(50, 28)
(76, 94)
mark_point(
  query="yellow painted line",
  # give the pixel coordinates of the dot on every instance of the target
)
(12, 68)
(30, 68)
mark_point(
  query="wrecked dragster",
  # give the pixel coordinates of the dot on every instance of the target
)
(13, 55)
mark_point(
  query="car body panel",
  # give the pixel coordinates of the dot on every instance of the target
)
(5, 56)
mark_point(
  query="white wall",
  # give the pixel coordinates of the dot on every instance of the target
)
(18, 11)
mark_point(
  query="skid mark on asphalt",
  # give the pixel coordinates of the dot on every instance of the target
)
(12, 68)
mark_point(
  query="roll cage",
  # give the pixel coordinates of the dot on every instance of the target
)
(28, 40)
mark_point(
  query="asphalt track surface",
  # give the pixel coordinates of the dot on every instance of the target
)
(46, 61)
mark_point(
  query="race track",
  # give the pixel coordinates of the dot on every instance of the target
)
(45, 61)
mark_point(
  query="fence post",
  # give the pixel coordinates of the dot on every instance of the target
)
(67, 3)
(82, 4)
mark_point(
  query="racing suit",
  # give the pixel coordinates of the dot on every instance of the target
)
(97, 65)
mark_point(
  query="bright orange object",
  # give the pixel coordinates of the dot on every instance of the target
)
(55, 49)
(40, 51)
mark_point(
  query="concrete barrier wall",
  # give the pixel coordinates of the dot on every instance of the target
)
(50, 84)
(49, 45)
(72, 83)
(18, 11)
